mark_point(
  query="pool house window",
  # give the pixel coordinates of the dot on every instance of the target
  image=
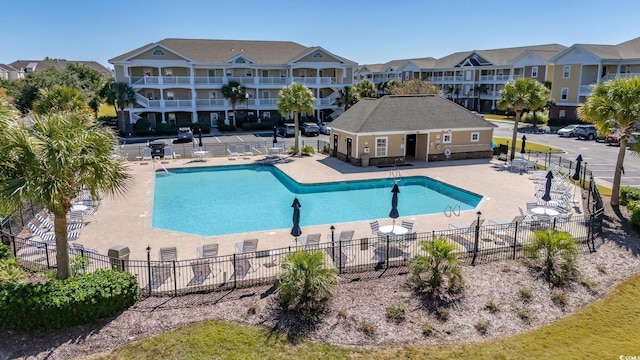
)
(475, 136)
(381, 147)
(446, 138)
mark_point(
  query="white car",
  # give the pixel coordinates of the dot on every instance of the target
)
(568, 131)
(325, 129)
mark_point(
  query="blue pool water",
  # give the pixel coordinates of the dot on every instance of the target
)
(237, 199)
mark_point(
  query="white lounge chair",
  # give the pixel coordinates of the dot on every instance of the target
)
(248, 152)
(247, 246)
(168, 154)
(146, 154)
(233, 152)
(169, 254)
(208, 250)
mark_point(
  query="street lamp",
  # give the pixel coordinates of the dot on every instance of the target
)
(475, 247)
(333, 229)
(246, 99)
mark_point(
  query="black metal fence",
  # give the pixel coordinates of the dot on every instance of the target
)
(354, 259)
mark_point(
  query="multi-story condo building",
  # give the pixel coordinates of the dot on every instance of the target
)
(179, 81)
(580, 66)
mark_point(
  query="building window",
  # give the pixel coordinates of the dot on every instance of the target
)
(534, 71)
(248, 73)
(446, 138)
(212, 94)
(317, 56)
(172, 118)
(562, 114)
(381, 147)
(158, 52)
(475, 136)
(564, 94)
(213, 116)
(566, 71)
(168, 72)
(240, 61)
(266, 115)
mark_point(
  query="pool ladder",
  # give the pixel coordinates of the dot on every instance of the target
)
(452, 210)
(395, 175)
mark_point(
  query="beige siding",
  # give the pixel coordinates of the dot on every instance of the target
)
(325, 58)
(571, 83)
(119, 73)
(167, 55)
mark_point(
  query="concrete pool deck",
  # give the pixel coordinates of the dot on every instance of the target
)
(127, 220)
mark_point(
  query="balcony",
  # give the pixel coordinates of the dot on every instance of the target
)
(313, 80)
(242, 79)
(181, 103)
(210, 102)
(273, 80)
(206, 80)
(620, 76)
(185, 80)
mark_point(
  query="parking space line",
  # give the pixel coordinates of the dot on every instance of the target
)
(239, 138)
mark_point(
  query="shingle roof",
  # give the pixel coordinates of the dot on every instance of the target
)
(220, 51)
(41, 65)
(407, 113)
(626, 50)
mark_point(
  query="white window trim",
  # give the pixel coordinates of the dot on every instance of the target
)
(213, 116)
(534, 71)
(266, 115)
(564, 93)
(477, 136)
(562, 114)
(446, 138)
(386, 146)
(566, 71)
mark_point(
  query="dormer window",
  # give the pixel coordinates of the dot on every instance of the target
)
(240, 61)
(158, 52)
(318, 56)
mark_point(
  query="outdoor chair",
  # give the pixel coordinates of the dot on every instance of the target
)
(407, 225)
(233, 152)
(247, 246)
(201, 271)
(375, 228)
(50, 227)
(208, 251)
(346, 235)
(146, 154)
(168, 154)
(312, 240)
(169, 254)
(248, 152)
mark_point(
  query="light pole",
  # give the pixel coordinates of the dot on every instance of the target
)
(246, 99)
(475, 245)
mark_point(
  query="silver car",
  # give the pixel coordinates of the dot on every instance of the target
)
(325, 129)
(568, 131)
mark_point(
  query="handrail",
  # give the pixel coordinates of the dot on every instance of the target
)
(449, 209)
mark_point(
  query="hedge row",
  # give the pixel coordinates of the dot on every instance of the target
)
(65, 303)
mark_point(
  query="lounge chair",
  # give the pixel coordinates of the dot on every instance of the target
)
(146, 154)
(45, 237)
(346, 235)
(233, 152)
(247, 246)
(248, 152)
(460, 233)
(50, 227)
(201, 271)
(407, 225)
(208, 251)
(168, 154)
(504, 231)
(176, 156)
(169, 254)
(310, 240)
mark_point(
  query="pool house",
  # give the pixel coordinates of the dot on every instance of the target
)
(395, 128)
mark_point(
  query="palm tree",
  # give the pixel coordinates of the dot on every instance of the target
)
(365, 89)
(295, 99)
(438, 271)
(236, 93)
(415, 86)
(60, 99)
(305, 282)
(346, 98)
(120, 95)
(521, 94)
(51, 161)
(616, 101)
(479, 90)
(558, 251)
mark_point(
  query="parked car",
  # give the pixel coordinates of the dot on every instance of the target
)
(157, 148)
(477, 114)
(287, 130)
(634, 138)
(613, 138)
(185, 134)
(325, 129)
(568, 131)
(310, 129)
(586, 132)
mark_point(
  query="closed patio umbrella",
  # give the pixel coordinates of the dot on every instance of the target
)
(394, 204)
(576, 176)
(547, 187)
(275, 135)
(295, 230)
(524, 142)
(199, 137)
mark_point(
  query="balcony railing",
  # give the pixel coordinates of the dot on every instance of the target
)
(242, 79)
(208, 80)
(176, 79)
(211, 102)
(273, 80)
(155, 103)
(144, 80)
(268, 101)
(620, 76)
(178, 103)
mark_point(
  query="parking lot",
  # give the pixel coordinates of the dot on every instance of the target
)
(600, 158)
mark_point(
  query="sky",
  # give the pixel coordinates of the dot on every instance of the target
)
(366, 32)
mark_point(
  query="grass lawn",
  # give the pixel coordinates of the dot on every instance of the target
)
(606, 329)
(530, 146)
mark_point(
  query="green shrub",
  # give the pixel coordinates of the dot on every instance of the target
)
(368, 328)
(526, 295)
(628, 194)
(438, 272)
(524, 315)
(65, 303)
(442, 314)
(307, 150)
(633, 205)
(428, 328)
(635, 220)
(491, 306)
(396, 312)
(482, 326)
(264, 125)
(559, 298)
(305, 283)
(5, 252)
(554, 254)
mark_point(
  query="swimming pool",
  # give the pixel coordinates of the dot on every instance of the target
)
(245, 198)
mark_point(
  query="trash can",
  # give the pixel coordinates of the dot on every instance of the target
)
(364, 160)
(119, 257)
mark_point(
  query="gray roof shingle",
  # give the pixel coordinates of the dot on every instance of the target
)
(407, 113)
